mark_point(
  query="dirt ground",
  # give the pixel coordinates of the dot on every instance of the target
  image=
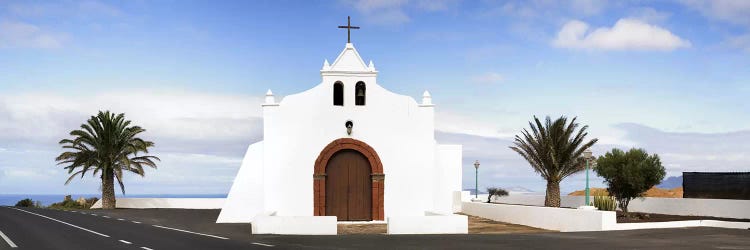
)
(477, 225)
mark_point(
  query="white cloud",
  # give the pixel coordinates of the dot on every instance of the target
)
(588, 7)
(100, 8)
(489, 78)
(460, 124)
(181, 115)
(79, 9)
(626, 34)
(741, 42)
(394, 12)
(436, 5)
(381, 12)
(24, 35)
(650, 15)
(732, 11)
(200, 138)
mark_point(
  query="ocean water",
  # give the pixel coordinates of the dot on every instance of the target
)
(47, 199)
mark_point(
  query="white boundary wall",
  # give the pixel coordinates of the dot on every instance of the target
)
(572, 220)
(675, 206)
(558, 219)
(304, 225)
(182, 203)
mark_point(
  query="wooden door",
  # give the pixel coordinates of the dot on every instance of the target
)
(349, 186)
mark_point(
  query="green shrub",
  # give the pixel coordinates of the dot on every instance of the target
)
(74, 204)
(605, 203)
(67, 204)
(497, 192)
(25, 203)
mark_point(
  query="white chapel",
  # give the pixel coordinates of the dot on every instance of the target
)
(345, 150)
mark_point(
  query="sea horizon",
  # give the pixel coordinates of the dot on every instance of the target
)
(47, 199)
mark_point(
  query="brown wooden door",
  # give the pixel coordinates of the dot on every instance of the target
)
(349, 186)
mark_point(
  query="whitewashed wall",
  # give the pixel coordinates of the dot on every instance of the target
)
(181, 203)
(398, 128)
(559, 219)
(246, 200)
(677, 206)
(447, 179)
(571, 220)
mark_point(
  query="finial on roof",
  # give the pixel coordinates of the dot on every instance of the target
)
(269, 97)
(326, 65)
(426, 98)
(371, 66)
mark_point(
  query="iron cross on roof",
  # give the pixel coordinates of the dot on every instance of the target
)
(349, 28)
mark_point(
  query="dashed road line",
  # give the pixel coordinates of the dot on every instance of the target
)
(104, 216)
(126, 242)
(261, 244)
(120, 219)
(137, 222)
(93, 214)
(186, 231)
(84, 229)
(146, 248)
(10, 242)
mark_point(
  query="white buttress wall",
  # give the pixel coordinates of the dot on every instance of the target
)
(447, 178)
(245, 198)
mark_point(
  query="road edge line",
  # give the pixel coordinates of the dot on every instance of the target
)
(53, 219)
(7, 240)
(186, 231)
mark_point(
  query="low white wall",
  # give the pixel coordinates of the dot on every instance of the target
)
(654, 225)
(702, 207)
(182, 203)
(559, 219)
(304, 225)
(678, 224)
(428, 224)
(570, 220)
(675, 206)
(725, 224)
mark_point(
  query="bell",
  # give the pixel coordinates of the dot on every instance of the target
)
(360, 92)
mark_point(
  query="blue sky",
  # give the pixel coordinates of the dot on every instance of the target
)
(669, 76)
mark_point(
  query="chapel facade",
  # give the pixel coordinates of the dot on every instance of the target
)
(347, 148)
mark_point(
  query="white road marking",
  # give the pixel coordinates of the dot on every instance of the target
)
(83, 213)
(186, 231)
(93, 214)
(136, 222)
(84, 229)
(104, 216)
(146, 248)
(261, 244)
(10, 242)
(120, 219)
(126, 242)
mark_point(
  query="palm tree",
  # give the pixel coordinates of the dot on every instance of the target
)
(554, 150)
(106, 145)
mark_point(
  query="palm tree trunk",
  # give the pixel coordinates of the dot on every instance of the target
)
(108, 190)
(552, 199)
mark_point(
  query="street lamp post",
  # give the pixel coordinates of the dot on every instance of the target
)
(587, 154)
(476, 179)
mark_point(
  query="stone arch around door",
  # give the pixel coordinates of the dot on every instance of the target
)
(319, 177)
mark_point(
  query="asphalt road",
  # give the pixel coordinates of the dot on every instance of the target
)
(54, 229)
(193, 229)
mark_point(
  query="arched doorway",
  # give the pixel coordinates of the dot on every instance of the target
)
(351, 150)
(348, 186)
